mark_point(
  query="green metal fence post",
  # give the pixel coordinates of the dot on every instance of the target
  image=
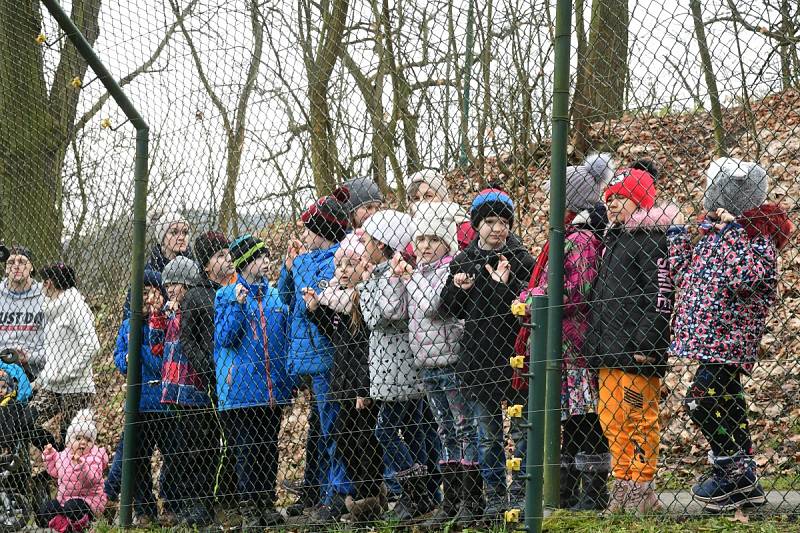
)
(555, 280)
(134, 378)
(537, 349)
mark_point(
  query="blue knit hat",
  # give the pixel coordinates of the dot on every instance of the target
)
(491, 203)
(152, 278)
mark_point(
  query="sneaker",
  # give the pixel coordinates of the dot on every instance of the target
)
(728, 477)
(754, 498)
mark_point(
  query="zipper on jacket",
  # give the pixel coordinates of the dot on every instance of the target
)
(262, 319)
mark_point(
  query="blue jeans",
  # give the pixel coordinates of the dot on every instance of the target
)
(408, 436)
(456, 424)
(491, 441)
(331, 468)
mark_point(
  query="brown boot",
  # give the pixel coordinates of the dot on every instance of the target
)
(620, 494)
(643, 499)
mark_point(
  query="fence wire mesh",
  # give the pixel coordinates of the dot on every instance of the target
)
(348, 219)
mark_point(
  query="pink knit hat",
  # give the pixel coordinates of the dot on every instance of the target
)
(351, 247)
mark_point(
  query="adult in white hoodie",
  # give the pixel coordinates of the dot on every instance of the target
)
(66, 384)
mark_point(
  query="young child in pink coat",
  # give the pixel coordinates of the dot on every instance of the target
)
(79, 469)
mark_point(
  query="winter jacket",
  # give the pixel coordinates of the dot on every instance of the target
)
(489, 327)
(632, 296)
(197, 330)
(350, 372)
(22, 323)
(24, 390)
(727, 283)
(83, 480)
(434, 338)
(250, 346)
(70, 342)
(310, 352)
(582, 250)
(181, 384)
(156, 262)
(150, 400)
(393, 376)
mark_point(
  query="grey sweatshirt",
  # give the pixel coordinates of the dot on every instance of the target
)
(22, 323)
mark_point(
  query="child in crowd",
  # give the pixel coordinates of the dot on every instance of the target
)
(336, 312)
(252, 380)
(184, 391)
(311, 353)
(484, 281)
(727, 283)
(153, 421)
(394, 378)
(429, 186)
(79, 470)
(364, 200)
(434, 343)
(629, 330)
(66, 384)
(585, 461)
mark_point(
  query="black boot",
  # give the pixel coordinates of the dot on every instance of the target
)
(251, 518)
(414, 500)
(496, 502)
(269, 515)
(452, 483)
(593, 470)
(569, 483)
(472, 503)
(307, 500)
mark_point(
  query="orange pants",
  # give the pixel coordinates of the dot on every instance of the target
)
(628, 410)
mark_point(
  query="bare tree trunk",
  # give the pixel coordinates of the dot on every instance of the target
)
(580, 107)
(607, 59)
(486, 63)
(708, 72)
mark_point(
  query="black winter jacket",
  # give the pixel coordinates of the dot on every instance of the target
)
(350, 371)
(632, 296)
(489, 328)
(197, 329)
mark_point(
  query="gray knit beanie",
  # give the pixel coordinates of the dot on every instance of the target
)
(585, 182)
(180, 270)
(362, 191)
(735, 185)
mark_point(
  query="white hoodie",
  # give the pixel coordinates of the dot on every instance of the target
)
(70, 343)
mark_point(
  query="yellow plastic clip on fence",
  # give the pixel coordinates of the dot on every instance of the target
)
(519, 309)
(514, 411)
(518, 361)
(512, 516)
(41, 38)
(76, 82)
(514, 464)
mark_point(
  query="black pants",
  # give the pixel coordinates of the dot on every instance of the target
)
(582, 434)
(716, 404)
(156, 431)
(252, 434)
(74, 509)
(359, 449)
(196, 458)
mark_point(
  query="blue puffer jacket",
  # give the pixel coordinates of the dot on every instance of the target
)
(150, 400)
(250, 345)
(24, 391)
(310, 351)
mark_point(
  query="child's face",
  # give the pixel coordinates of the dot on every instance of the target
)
(176, 241)
(5, 387)
(424, 193)
(312, 241)
(81, 445)
(349, 271)
(152, 299)
(620, 209)
(373, 249)
(363, 212)
(258, 268)
(220, 265)
(430, 248)
(176, 292)
(493, 232)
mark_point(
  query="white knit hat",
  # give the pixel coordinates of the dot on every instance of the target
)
(82, 424)
(434, 180)
(440, 219)
(392, 228)
(162, 224)
(735, 185)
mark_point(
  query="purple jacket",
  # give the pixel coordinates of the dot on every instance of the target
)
(727, 283)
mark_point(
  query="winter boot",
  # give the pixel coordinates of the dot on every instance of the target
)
(593, 471)
(251, 518)
(569, 483)
(471, 509)
(307, 500)
(330, 512)
(81, 524)
(59, 523)
(732, 480)
(496, 502)
(642, 499)
(620, 494)
(367, 509)
(268, 514)
(414, 501)
(452, 483)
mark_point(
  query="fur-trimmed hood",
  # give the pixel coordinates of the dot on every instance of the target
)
(769, 220)
(658, 218)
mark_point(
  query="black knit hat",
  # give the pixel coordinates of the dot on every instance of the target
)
(247, 249)
(62, 276)
(206, 245)
(327, 217)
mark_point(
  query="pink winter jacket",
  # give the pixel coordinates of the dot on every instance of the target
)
(83, 480)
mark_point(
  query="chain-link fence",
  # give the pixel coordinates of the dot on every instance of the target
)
(349, 256)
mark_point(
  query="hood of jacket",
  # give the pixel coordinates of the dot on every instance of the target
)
(770, 221)
(34, 292)
(658, 218)
(594, 219)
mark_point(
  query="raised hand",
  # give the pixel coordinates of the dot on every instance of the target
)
(294, 249)
(400, 268)
(464, 281)
(241, 293)
(310, 298)
(502, 273)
